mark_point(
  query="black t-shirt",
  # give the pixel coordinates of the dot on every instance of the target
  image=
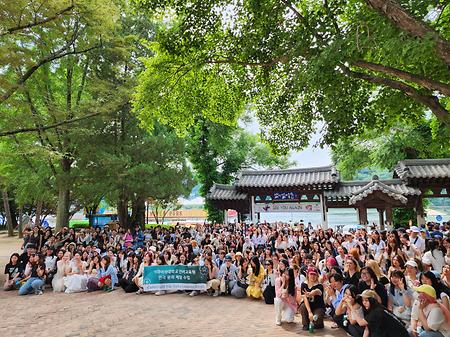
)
(354, 280)
(318, 300)
(34, 270)
(23, 260)
(384, 324)
(13, 270)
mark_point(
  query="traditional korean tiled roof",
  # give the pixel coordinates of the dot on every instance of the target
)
(318, 177)
(225, 192)
(346, 189)
(423, 169)
(374, 186)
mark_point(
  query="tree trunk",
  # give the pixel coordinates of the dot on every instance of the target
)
(9, 222)
(62, 212)
(138, 212)
(122, 212)
(20, 227)
(37, 220)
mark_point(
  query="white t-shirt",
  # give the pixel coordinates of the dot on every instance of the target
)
(419, 242)
(350, 244)
(436, 258)
(376, 248)
(435, 317)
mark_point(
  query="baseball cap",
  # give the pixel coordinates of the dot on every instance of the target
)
(415, 229)
(228, 257)
(312, 270)
(426, 289)
(426, 260)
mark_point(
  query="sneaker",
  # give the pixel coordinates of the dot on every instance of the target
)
(278, 323)
(216, 293)
(140, 291)
(39, 292)
(193, 293)
(159, 293)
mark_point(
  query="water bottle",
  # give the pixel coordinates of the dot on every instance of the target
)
(345, 321)
(311, 327)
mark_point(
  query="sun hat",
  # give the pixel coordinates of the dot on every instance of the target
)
(426, 289)
(348, 233)
(238, 254)
(411, 263)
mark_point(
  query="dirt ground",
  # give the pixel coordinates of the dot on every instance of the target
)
(120, 314)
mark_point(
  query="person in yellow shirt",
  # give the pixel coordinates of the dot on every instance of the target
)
(256, 277)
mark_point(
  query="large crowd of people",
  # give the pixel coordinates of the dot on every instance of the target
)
(369, 282)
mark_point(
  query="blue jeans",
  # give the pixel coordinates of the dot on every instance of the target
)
(431, 334)
(33, 284)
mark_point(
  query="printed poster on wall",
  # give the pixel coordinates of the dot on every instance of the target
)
(289, 207)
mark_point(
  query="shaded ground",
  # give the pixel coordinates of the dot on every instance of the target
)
(119, 314)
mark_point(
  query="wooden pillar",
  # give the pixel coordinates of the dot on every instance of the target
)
(389, 217)
(381, 217)
(420, 213)
(252, 210)
(225, 217)
(362, 215)
(324, 213)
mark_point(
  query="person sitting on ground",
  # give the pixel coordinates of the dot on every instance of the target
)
(228, 274)
(428, 318)
(378, 321)
(313, 307)
(13, 273)
(107, 275)
(240, 287)
(35, 278)
(400, 297)
(76, 279)
(351, 271)
(370, 281)
(212, 283)
(285, 303)
(334, 294)
(138, 279)
(256, 277)
(442, 291)
(412, 273)
(126, 282)
(62, 270)
(92, 274)
(349, 306)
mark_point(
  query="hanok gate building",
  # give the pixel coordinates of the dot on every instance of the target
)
(319, 189)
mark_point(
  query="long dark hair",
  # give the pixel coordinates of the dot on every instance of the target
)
(255, 260)
(108, 261)
(18, 258)
(291, 285)
(399, 274)
(436, 284)
(434, 245)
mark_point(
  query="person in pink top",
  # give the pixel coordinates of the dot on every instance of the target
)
(128, 239)
(285, 302)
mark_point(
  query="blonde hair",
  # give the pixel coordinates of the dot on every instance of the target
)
(375, 267)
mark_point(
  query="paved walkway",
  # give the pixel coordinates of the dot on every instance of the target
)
(119, 314)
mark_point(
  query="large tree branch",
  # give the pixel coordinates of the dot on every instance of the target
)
(49, 58)
(267, 64)
(37, 22)
(404, 75)
(432, 102)
(47, 127)
(409, 24)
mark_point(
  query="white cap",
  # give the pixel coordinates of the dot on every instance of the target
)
(426, 260)
(348, 233)
(411, 263)
(415, 229)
